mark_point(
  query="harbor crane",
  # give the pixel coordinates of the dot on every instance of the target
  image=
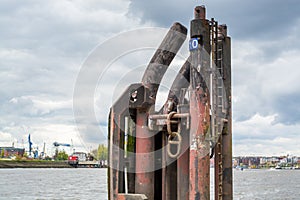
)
(30, 145)
(56, 144)
(31, 150)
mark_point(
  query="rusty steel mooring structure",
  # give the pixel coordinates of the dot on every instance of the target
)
(166, 154)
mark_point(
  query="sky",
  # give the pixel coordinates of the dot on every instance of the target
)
(45, 45)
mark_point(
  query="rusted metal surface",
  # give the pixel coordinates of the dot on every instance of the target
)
(116, 143)
(199, 149)
(199, 109)
(227, 131)
(164, 116)
(163, 58)
(145, 162)
(132, 197)
(183, 159)
(171, 155)
(113, 157)
(223, 149)
(180, 84)
(152, 77)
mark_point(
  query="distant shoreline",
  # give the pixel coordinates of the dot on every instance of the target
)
(4, 164)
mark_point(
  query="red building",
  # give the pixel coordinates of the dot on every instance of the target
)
(8, 152)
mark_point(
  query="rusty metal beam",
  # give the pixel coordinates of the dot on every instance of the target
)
(144, 160)
(163, 57)
(164, 116)
(114, 155)
(144, 181)
(183, 160)
(132, 197)
(227, 130)
(199, 149)
(188, 175)
(223, 148)
(199, 109)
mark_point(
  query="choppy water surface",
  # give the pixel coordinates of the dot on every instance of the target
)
(92, 184)
(267, 184)
(53, 184)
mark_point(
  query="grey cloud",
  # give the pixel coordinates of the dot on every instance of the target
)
(267, 89)
(259, 135)
(71, 28)
(43, 45)
(246, 19)
(272, 25)
(269, 28)
(288, 108)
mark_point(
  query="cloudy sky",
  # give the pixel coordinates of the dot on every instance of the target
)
(45, 44)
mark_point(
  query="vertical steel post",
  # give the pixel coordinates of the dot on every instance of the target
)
(182, 81)
(144, 181)
(223, 148)
(199, 110)
(114, 153)
(227, 130)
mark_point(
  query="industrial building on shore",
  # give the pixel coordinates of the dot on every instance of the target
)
(8, 152)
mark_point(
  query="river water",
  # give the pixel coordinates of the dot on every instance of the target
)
(92, 184)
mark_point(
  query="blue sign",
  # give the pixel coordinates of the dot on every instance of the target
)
(193, 45)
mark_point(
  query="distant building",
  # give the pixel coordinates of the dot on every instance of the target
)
(8, 152)
(254, 162)
(81, 156)
(235, 162)
(263, 160)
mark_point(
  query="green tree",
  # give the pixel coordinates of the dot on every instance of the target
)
(102, 152)
(25, 155)
(2, 153)
(95, 153)
(62, 155)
